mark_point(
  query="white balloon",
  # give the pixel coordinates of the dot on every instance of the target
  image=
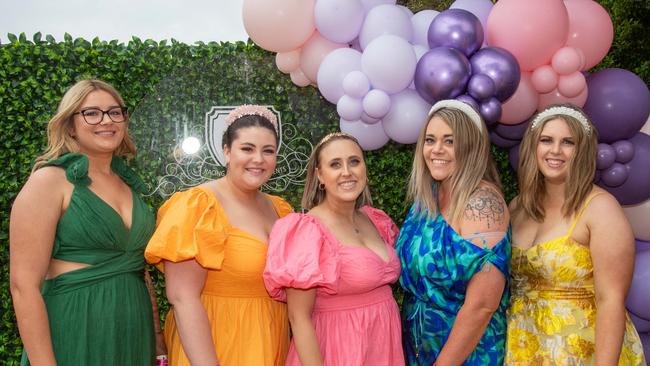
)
(639, 217)
(420, 23)
(389, 62)
(335, 66)
(356, 84)
(349, 108)
(376, 103)
(339, 20)
(407, 116)
(370, 137)
(385, 19)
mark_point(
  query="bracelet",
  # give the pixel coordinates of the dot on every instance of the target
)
(161, 360)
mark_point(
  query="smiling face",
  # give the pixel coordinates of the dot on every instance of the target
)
(251, 157)
(342, 170)
(555, 149)
(104, 137)
(438, 149)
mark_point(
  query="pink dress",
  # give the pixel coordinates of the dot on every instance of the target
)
(355, 316)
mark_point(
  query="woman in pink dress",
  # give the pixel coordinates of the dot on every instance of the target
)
(334, 265)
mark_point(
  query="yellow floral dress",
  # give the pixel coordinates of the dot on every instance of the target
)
(552, 314)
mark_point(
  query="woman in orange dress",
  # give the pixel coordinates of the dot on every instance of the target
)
(211, 242)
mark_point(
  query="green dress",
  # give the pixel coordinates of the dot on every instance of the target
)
(100, 314)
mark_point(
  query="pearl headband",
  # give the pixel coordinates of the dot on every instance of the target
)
(565, 111)
(251, 109)
(461, 106)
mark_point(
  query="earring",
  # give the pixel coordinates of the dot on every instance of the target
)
(321, 187)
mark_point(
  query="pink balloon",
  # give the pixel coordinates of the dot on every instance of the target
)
(638, 216)
(566, 60)
(279, 25)
(531, 30)
(288, 61)
(313, 53)
(544, 79)
(370, 136)
(572, 85)
(590, 30)
(299, 78)
(555, 97)
(522, 104)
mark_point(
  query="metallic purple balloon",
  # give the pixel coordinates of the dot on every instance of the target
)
(597, 176)
(605, 157)
(481, 87)
(512, 132)
(501, 66)
(456, 28)
(636, 188)
(624, 151)
(502, 141)
(614, 176)
(469, 100)
(618, 103)
(441, 73)
(491, 111)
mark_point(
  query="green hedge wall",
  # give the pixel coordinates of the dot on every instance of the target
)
(159, 79)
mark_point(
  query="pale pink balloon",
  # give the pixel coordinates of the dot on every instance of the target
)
(555, 97)
(566, 60)
(522, 104)
(544, 79)
(313, 53)
(532, 30)
(572, 85)
(299, 78)
(638, 216)
(279, 25)
(590, 30)
(646, 127)
(288, 61)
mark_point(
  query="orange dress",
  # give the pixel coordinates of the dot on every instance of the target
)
(248, 326)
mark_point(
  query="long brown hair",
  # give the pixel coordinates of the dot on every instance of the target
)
(582, 167)
(59, 140)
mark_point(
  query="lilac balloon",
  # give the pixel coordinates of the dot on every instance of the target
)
(382, 20)
(490, 110)
(639, 293)
(636, 188)
(469, 100)
(624, 151)
(369, 4)
(502, 141)
(615, 175)
(512, 132)
(356, 84)
(339, 20)
(480, 8)
(420, 23)
(618, 103)
(456, 28)
(335, 66)
(407, 115)
(501, 66)
(481, 87)
(441, 73)
(370, 137)
(605, 157)
(365, 118)
(376, 103)
(513, 157)
(389, 62)
(349, 108)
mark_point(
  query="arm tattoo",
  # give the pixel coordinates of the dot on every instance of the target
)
(485, 205)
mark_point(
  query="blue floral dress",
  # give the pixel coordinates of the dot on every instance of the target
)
(437, 266)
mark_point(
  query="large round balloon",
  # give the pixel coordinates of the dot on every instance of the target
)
(279, 25)
(522, 104)
(638, 215)
(639, 293)
(420, 23)
(503, 142)
(370, 136)
(334, 68)
(641, 325)
(456, 28)
(512, 132)
(389, 62)
(636, 187)
(408, 113)
(590, 30)
(442, 73)
(382, 20)
(531, 30)
(500, 66)
(339, 20)
(369, 4)
(313, 53)
(618, 103)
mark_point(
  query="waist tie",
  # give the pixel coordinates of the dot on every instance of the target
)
(556, 294)
(353, 301)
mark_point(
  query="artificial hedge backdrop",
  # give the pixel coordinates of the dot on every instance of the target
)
(162, 82)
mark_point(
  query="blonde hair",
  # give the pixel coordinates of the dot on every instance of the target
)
(473, 165)
(582, 167)
(59, 140)
(313, 196)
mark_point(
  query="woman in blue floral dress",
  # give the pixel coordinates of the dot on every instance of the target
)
(454, 245)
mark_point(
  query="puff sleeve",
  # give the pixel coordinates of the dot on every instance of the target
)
(384, 224)
(190, 225)
(300, 255)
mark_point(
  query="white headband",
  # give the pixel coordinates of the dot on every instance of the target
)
(562, 110)
(461, 106)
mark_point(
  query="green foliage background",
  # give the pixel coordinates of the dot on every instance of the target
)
(34, 73)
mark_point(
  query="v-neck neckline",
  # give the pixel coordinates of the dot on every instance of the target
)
(127, 228)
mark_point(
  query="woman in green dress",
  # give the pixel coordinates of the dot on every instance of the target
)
(78, 230)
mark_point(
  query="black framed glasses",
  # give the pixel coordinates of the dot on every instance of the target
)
(94, 116)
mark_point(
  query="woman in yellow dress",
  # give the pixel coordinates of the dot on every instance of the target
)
(572, 255)
(211, 242)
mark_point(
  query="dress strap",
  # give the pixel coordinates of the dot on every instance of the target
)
(75, 166)
(582, 209)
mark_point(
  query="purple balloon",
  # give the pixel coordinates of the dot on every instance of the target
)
(513, 157)
(491, 110)
(456, 28)
(481, 87)
(501, 66)
(469, 100)
(637, 298)
(624, 151)
(441, 73)
(636, 188)
(645, 340)
(615, 175)
(512, 132)
(618, 103)
(641, 325)
(606, 156)
(597, 176)
(642, 246)
(502, 141)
